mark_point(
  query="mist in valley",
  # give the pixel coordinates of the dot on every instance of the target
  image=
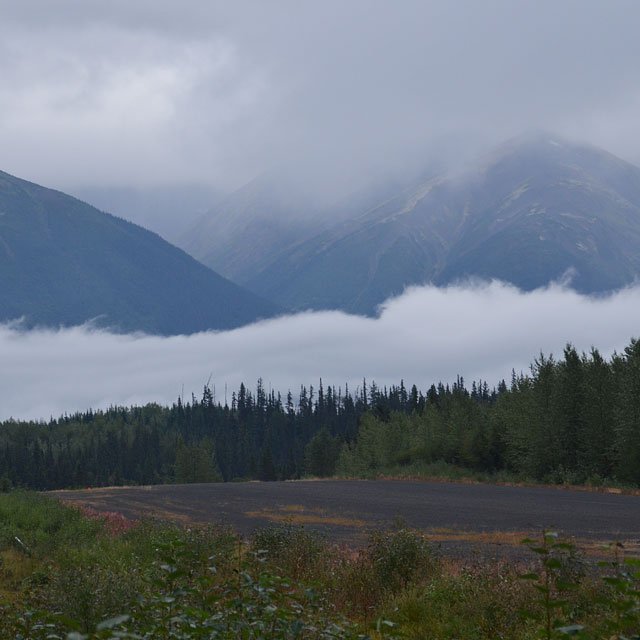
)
(429, 334)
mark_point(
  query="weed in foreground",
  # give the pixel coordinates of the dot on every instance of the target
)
(623, 598)
(298, 552)
(399, 557)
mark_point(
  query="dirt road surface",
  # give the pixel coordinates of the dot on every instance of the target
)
(453, 515)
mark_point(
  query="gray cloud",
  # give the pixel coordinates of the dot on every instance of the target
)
(157, 91)
(426, 335)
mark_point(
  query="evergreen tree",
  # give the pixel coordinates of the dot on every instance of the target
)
(196, 463)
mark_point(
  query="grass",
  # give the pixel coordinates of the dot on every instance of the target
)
(83, 575)
(306, 518)
(37, 525)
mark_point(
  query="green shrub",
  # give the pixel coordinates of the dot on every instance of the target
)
(298, 552)
(400, 557)
(41, 524)
(89, 594)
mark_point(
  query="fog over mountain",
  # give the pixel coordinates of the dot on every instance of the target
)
(426, 335)
(245, 232)
(165, 209)
(532, 210)
(153, 92)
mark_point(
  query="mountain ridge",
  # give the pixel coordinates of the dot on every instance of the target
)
(64, 262)
(525, 213)
(270, 215)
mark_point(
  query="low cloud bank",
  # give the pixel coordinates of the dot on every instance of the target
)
(426, 335)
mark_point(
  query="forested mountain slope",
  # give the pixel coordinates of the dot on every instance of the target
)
(164, 209)
(63, 262)
(534, 209)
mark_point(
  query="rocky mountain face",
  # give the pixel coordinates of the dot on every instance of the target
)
(534, 210)
(63, 262)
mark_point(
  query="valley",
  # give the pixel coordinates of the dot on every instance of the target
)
(319, 320)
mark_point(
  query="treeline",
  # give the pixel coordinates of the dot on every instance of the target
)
(258, 435)
(575, 420)
(572, 420)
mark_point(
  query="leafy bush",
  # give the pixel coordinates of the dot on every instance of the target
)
(253, 603)
(623, 599)
(400, 557)
(295, 550)
(89, 594)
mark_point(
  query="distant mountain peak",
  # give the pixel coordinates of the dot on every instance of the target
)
(534, 208)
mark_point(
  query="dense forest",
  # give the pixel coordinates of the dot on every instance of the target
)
(575, 419)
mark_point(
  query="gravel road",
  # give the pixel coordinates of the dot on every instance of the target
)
(347, 511)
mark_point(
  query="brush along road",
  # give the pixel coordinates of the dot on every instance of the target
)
(457, 515)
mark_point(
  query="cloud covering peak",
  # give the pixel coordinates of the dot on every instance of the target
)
(155, 91)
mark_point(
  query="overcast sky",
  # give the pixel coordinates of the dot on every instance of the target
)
(145, 92)
(424, 336)
(141, 93)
